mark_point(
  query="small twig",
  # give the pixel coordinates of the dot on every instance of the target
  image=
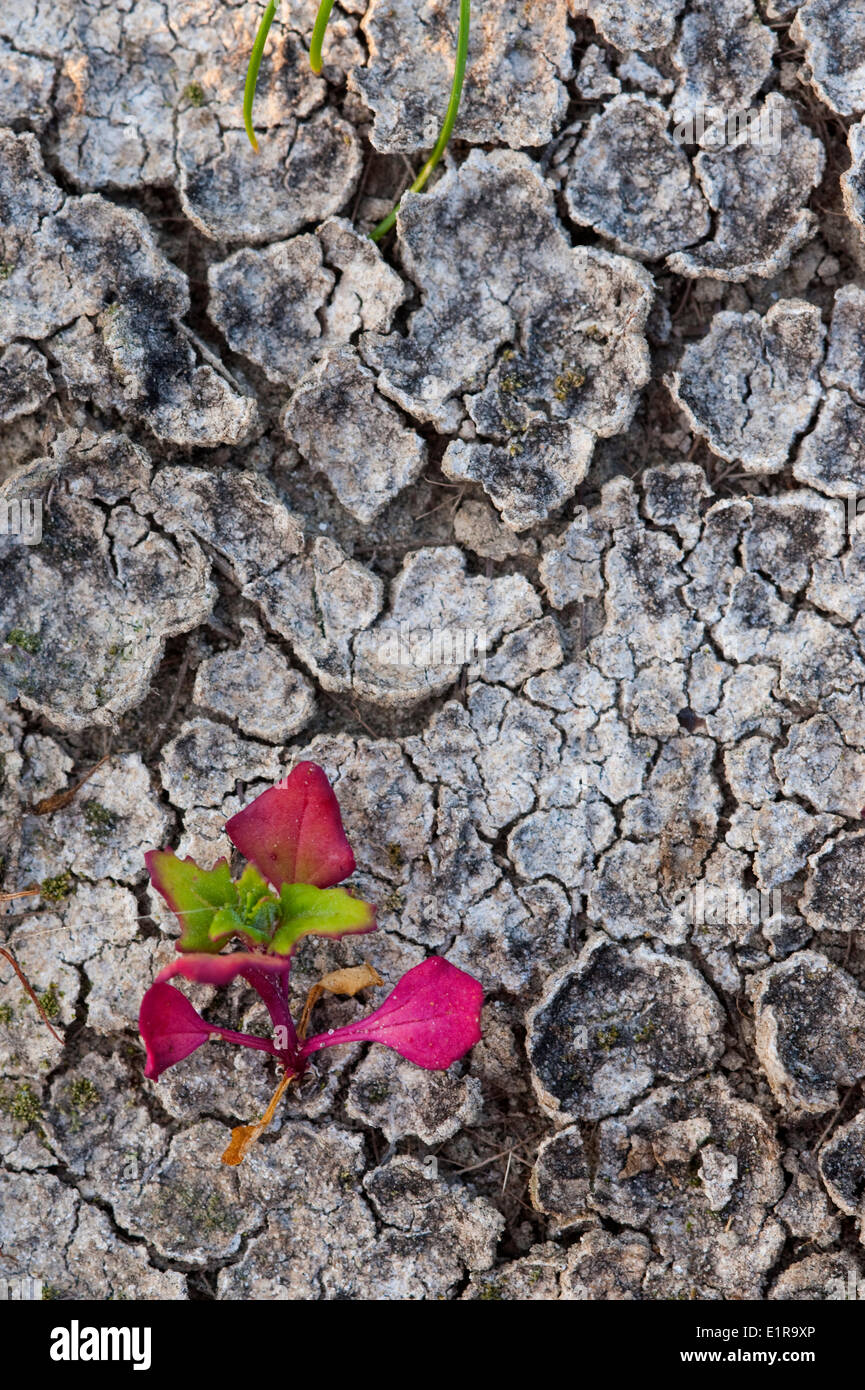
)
(22, 893)
(31, 991)
(61, 799)
(831, 1125)
(209, 356)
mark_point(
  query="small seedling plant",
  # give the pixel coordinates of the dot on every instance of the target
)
(293, 839)
(317, 62)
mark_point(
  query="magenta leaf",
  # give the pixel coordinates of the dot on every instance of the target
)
(431, 1018)
(171, 1029)
(293, 832)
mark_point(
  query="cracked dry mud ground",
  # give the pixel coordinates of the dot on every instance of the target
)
(602, 402)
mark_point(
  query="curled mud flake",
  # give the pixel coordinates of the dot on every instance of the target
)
(511, 939)
(631, 182)
(643, 596)
(751, 385)
(818, 1277)
(674, 495)
(98, 610)
(534, 1278)
(478, 528)
(789, 534)
(835, 887)
(845, 350)
(285, 305)
(724, 54)
(561, 1178)
(805, 1209)
(518, 63)
(106, 1268)
(267, 303)
(204, 762)
(786, 836)
(810, 1038)
(611, 1025)
(390, 1094)
(699, 1171)
(649, 25)
(853, 179)
(26, 88)
(529, 478)
(303, 173)
(25, 383)
(603, 1266)
(832, 456)
(255, 686)
(757, 185)
(594, 78)
(833, 36)
(575, 315)
(430, 1233)
(348, 431)
(319, 603)
(842, 1167)
(237, 514)
(92, 270)
(438, 621)
(189, 1215)
(818, 765)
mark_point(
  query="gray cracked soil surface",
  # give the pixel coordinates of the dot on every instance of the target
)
(540, 531)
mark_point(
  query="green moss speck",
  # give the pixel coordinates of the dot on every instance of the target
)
(569, 379)
(23, 1105)
(7, 1013)
(377, 1092)
(99, 821)
(606, 1037)
(82, 1093)
(25, 641)
(193, 92)
(395, 855)
(54, 890)
(50, 1000)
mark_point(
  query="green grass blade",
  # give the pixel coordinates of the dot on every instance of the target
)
(450, 119)
(252, 71)
(316, 62)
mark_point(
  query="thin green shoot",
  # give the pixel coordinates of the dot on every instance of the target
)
(316, 62)
(450, 120)
(252, 71)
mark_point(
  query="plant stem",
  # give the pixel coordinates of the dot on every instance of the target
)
(252, 71)
(449, 121)
(316, 62)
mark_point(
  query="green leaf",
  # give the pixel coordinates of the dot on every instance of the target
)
(194, 894)
(307, 910)
(226, 922)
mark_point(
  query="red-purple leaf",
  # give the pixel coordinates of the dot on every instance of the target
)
(431, 1018)
(170, 1027)
(221, 970)
(293, 832)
